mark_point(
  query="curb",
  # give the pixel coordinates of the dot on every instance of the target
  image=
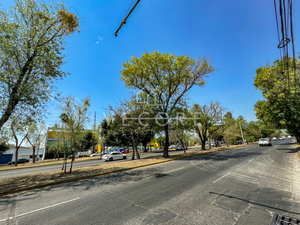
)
(101, 174)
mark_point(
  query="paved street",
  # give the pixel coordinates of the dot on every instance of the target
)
(239, 186)
(43, 169)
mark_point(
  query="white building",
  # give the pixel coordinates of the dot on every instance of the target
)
(26, 153)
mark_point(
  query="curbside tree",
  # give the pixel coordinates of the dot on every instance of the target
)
(32, 36)
(166, 79)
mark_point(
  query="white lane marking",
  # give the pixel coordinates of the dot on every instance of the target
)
(250, 160)
(221, 177)
(3, 220)
(47, 207)
(175, 170)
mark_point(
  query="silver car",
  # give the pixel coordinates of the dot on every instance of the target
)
(264, 141)
(113, 156)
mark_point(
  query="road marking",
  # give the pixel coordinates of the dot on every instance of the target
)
(221, 177)
(47, 207)
(250, 160)
(175, 170)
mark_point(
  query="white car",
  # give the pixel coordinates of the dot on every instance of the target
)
(274, 138)
(95, 154)
(264, 141)
(113, 156)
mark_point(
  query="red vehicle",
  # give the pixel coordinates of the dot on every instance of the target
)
(123, 150)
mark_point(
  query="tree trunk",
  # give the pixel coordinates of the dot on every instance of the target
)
(137, 153)
(16, 156)
(133, 152)
(166, 128)
(181, 141)
(33, 154)
(73, 157)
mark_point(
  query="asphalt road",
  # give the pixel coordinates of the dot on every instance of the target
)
(239, 186)
(50, 168)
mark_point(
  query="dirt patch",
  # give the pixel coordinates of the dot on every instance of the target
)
(28, 182)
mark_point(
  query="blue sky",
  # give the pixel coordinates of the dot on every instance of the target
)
(239, 36)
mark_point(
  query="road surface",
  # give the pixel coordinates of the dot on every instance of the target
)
(50, 168)
(239, 186)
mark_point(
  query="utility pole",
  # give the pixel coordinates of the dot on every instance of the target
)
(242, 132)
(126, 17)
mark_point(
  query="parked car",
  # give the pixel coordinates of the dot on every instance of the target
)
(274, 138)
(172, 146)
(113, 156)
(289, 136)
(20, 161)
(95, 154)
(179, 147)
(281, 138)
(264, 141)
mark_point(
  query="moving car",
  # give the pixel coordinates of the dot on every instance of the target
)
(19, 161)
(95, 154)
(264, 141)
(113, 156)
(123, 150)
(179, 147)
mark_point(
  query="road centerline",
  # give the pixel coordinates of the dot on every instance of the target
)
(175, 170)
(47, 207)
(222, 177)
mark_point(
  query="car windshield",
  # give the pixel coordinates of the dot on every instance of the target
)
(264, 139)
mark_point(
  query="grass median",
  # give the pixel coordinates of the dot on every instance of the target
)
(28, 182)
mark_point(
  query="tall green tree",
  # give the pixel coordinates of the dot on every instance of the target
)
(166, 80)
(75, 116)
(207, 118)
(32, 37)
(281, 92)
(35, 136)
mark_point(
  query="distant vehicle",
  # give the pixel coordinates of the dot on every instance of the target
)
(82, 154)
(284, 137)
(274, 138)
(113, 156)
(95, 154)
(172, 146)
(289, 136)
(264, 141)
(179, 147)
(71, 156)
(281, 138)
(123, 150)
(20, 161)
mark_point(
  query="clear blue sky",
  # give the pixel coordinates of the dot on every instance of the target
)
(239, 36)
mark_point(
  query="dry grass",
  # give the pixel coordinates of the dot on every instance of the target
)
(22, 183)
(297, 148)
(43, 163)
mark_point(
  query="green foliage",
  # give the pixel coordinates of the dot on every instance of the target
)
(207, 118)
(3, 147)
(31, 43)
(281, 92)
(165, 80)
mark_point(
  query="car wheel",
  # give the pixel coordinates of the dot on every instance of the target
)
(111, 159)
(124, 157)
